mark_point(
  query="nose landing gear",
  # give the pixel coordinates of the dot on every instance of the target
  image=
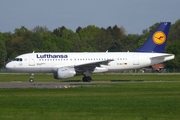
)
(31, 80)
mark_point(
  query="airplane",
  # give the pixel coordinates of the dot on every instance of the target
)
(67, 64)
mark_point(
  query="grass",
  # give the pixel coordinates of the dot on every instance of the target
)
(127, 101)
(117, 101)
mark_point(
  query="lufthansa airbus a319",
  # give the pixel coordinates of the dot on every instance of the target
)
(67, 65)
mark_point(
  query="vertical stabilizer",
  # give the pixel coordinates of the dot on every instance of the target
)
(157, 41)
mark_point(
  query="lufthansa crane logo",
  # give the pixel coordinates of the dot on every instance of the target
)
(159, 37)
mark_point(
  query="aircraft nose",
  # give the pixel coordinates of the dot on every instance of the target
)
(8, 66)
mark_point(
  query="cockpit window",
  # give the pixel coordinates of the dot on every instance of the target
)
(17, 59)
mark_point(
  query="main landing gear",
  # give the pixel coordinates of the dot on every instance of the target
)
(86, 79)
(31, 80)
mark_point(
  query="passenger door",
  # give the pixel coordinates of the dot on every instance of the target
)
(31, 60)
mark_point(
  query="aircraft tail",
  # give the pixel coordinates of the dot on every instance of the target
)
(157, 41)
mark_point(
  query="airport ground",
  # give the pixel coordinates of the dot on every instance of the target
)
(111, 96)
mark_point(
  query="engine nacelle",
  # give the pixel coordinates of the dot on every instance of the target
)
(64, 72)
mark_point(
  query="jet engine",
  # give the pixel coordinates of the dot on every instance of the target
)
(64, 72)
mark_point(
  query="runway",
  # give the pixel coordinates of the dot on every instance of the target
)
(19, 84)
(36, 85)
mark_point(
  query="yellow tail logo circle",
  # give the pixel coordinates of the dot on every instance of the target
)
(159, 37)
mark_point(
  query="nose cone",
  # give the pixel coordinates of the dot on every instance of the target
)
(9, 66)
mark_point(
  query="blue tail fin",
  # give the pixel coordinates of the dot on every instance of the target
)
(157, 41)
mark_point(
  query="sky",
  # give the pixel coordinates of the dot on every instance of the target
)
(133, 15)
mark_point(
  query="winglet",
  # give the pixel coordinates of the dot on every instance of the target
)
(157, 41)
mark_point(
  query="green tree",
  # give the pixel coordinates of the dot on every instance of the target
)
(174, 34)
(49, 44)
(173, 45)
(174, 48)
(78, 29)
(67, 40)
(41, 30)
(117, 35)
(37, 42)
(3, 52)
(146, 33)
(72, 40)
(101, 40)
(43, 40)
(87, 36)
(130, 42)
(59, 31)
(20, 42)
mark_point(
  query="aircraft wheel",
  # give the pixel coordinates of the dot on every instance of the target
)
(87, 79)
(31, 80)
(84, 79)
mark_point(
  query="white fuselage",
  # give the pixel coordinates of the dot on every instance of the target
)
(50, 62)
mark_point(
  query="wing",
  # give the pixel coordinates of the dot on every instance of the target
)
(80, 68)
(89, 67)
